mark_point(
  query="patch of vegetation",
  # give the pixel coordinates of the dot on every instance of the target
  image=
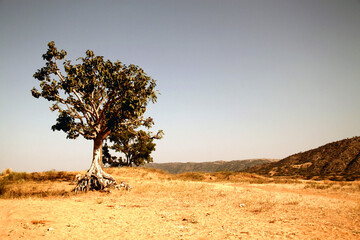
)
(321, 185)
(333, 185)
(260, 205)
(191, 176)
(3, 187)
(17, 176)
(155, 170)
(286, 181)
(22, 184)
(39, 177)
(11, 193)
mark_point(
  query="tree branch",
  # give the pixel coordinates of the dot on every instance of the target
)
(102, 100)
(59, 74)
(87, 117)
(94, 109)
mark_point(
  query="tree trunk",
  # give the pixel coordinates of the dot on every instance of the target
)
(96, 178)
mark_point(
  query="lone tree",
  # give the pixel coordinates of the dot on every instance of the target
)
(135, 146)
(95, 99)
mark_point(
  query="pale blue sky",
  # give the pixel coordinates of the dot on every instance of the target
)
(239, 79)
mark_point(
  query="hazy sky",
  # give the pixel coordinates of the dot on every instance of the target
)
(238, 79)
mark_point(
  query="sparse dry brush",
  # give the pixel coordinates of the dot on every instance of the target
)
(333, 186)
(44, 184)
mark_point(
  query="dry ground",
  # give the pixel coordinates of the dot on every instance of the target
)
(163, 206)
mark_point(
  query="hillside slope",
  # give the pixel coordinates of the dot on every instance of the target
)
(338, 160)
(234, 166)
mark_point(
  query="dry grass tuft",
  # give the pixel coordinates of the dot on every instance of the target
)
(259, 205)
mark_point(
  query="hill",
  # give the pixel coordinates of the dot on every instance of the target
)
(337, 161)
(233, 166)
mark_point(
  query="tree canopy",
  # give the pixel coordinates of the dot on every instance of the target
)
(95, 97)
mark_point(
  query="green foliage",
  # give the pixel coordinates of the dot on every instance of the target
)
(136, 146)
(95, 97)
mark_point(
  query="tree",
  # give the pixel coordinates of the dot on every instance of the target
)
(136, 147)
(94, 98)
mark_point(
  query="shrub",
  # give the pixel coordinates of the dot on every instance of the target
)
(2, 187)
(17, 176)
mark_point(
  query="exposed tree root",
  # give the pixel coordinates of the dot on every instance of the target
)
(98, 182)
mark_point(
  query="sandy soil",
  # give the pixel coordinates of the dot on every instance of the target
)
(172, 209)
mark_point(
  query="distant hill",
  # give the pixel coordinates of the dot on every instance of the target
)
(338, 161)
(234, 166)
